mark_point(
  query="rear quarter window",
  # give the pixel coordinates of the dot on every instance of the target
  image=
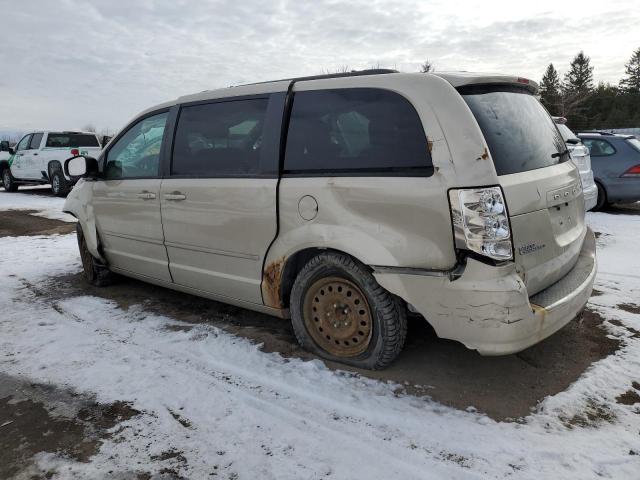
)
(635, 143)
(599, 148)
(355, 130)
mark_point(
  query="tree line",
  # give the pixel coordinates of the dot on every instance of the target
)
(587, 106)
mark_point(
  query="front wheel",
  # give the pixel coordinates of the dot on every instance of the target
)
(8, 182)
(94, 272)
(340, 313)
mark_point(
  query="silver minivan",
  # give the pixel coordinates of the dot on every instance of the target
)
(346, 202)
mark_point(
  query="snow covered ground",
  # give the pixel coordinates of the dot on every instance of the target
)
(234, 411)
(45, 205)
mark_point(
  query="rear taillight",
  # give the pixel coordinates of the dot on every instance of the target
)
(481, 221)
(75, 152)
(632, 172)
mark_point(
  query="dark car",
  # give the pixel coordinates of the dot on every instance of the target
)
(615, 161)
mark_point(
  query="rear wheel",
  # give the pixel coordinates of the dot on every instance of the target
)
(340, 313)
(601, 203)
(94, 272)
(59, 184)
(8, 181)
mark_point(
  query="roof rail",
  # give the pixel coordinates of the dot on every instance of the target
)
(352, 73)
(601, 132)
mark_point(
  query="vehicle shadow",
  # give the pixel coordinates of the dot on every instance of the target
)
(623, 209)
(507, 387)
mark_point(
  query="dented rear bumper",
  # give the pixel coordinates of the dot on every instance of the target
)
(488, 308)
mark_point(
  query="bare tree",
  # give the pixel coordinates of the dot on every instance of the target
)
(427, 67)
(89, 127)
(340, 69)
(106, 132)
(11, 138)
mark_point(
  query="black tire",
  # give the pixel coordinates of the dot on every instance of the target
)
(386, 312)
(8, 181)
(95, 272)
(601, 202)
(59, 185)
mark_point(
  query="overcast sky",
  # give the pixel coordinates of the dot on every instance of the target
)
(66, 63)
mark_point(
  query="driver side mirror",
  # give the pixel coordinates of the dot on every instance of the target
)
(4, 146)
(81, 167)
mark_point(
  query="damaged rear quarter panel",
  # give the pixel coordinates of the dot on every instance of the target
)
(394, 221)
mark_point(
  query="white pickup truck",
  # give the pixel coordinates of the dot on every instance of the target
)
(39, 157)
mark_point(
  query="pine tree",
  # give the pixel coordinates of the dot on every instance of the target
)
(550, 91)
(579, 79)
(576, 91)
(631, 84)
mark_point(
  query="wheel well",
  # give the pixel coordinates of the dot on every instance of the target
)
(3, 164)
(295, 263)
(52, 166)
(80, 231)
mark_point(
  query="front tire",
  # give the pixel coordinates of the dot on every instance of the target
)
(8, 181)
(59, 184)
(95, 273)
(340, 313)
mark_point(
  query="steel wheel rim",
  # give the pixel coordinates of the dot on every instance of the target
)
(55, 183)
(6, 178)
(338, 317)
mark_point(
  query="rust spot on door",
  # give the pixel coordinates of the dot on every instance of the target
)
(485, 155)
(272, 283)
(430, 145)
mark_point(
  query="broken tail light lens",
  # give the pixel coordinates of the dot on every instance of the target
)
(481, 222)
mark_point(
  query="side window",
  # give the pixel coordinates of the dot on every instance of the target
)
(24, 143)
(35, 141)
(137, 152)
(355, 129)
(599, 148)
(222, 138)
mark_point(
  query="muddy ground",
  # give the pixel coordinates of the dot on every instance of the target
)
(36, 418)
(15, 223)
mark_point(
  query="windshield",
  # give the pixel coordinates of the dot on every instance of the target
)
(635, 143)
(519, 132)
(71, 140)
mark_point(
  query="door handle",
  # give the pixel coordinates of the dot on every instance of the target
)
(146, 195)
(35, 153)
(175, 196)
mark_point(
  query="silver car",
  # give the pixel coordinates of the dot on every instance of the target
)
(581, 157)
(345, 201)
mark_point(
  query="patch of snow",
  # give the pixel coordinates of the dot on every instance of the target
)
(45, 206)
